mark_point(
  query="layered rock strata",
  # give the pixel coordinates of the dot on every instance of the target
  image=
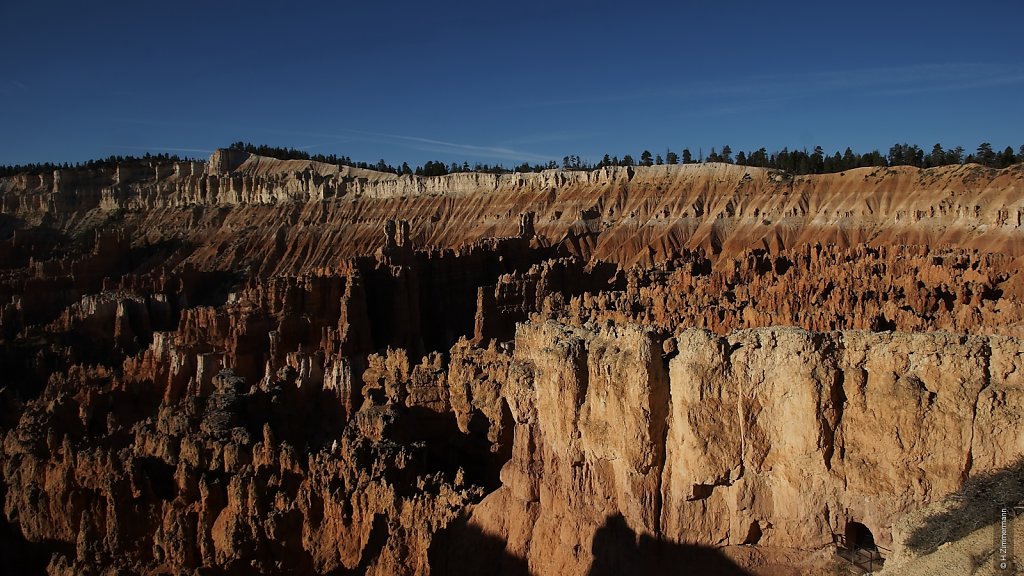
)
(234, 209)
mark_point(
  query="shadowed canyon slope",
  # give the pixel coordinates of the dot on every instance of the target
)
(250, 365)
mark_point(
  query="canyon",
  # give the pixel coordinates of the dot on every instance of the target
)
(250, 365)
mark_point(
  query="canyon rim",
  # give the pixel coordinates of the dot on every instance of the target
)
(248, 365)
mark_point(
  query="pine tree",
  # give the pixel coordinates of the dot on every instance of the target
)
(955, 156)
(985, 156)
(817, 160)
(758, 158)
(1006, 158)
(937, 157)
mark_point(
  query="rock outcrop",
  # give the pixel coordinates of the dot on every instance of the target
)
(771, 437)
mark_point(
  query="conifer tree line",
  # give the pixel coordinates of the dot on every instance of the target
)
(108, 162)
(791, 161)
(430, 168)
(817, 161)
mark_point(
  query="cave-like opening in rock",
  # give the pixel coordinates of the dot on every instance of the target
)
(859, 536)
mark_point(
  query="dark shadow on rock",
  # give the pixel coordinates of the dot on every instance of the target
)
(20, 556)
(977, 504)
(379, 534)
(465, 549)
(619, 550)
(442, 447)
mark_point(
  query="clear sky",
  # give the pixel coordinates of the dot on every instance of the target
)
(504, 82)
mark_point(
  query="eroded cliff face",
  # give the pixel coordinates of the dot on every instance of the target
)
(254, 366)
(772, 437)
(236, 207)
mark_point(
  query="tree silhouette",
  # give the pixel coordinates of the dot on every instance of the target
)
(985, 156)
(937, 157)
(1006, 158)
(726, 155)
(758, 157)
(817, 160)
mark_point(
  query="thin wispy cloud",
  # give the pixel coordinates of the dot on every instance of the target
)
(902, 79)
(11, 86)
(164, 121)
(427, 144)
(875, 81)
(732, 109)
(162, 149)
(306, 147)
(430, 144)
(545, 137)
(951, 87)
(605, 98)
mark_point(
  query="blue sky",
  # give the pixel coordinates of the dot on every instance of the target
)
(504, 82)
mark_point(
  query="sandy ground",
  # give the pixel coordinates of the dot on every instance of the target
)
(975, 554)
